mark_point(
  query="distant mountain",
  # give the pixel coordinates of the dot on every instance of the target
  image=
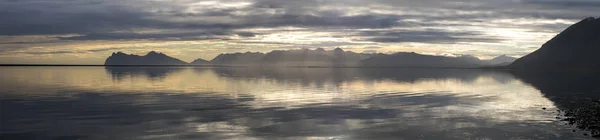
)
(577, 47)
(152, 58)
(200, 61)
(303, 57)
(502, 60)
(469, 59)
(405, 59)
(313, 58)
(248, 58)
(318, 57)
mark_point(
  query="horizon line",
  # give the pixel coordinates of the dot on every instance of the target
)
(86, 65)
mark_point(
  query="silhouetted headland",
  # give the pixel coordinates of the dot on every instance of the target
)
(152, 58)
(576, 47)
(564, 69)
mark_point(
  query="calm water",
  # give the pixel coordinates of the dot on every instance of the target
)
(99, 103)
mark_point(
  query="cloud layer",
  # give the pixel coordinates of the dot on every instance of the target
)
(491, 27)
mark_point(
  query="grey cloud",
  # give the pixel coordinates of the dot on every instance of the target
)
(328, 44)
(246, 34)
(4, 49)
(565, 3)
(372, 47)
(428, 36)
(260, 42)
(97, 20)
(18, 22)
(102, 50)
(217, 34)
(310, 21)
(50, 52)
(29, 42)
(418, 33)
(429, 39)
(64, 17)
(360, 21)
(64, 52)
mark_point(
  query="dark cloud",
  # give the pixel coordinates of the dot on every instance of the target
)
(428, 36)
(10, 48)
(102, 50)
(372, 47)
(99, 20)
(67, 52)
(360, 21)
(565, 3)
(260, 42)
(129, 36)
(246, 34)
(430, 39)
(218, 34)
(418, 33)
(35, 20)
(29, 42)
(51, 52)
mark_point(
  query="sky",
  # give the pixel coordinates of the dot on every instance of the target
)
(88, 31)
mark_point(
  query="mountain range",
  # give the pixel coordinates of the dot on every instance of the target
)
(575, 47)
(312, 58)
(404, 59)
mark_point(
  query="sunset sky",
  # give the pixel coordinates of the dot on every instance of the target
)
(87, 31)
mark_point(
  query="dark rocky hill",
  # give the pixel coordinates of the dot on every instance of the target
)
(152, 58)
(577, 47)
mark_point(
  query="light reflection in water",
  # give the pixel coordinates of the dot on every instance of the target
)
(277, 103)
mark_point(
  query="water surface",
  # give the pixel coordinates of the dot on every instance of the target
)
(147, 103)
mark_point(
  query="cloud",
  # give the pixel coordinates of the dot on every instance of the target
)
(246, 34)
(427, 36)
(323, 23)
(565, 4)
(371, 47)
(52, 52)
(92, 18)
(156, 36)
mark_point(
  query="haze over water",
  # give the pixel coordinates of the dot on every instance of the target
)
(99, 103)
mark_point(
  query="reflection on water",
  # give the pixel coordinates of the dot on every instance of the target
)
(99, 103)
(577, 94)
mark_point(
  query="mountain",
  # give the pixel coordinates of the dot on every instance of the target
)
(152, 58)
(248, 58)
(313, 58)
(318, 57)
(502, 60)
(200, 61)
(302, 57)
(469, 59)
(576, 47)
(405, 59)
